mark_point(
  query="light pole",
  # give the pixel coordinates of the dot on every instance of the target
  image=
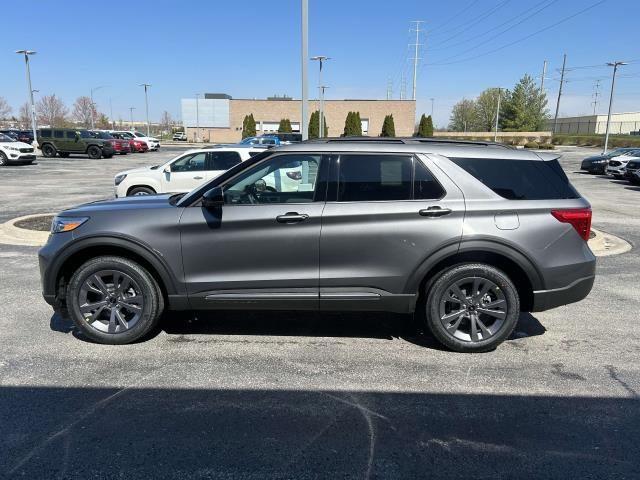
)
(26, 54)
(304, 57)
(495, 135)
(131, 109)
(321, 59)
(197, 117)
(146, 104)
(93, 109)
(615, 66)
(432, 100)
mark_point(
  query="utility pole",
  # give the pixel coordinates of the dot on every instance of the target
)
(320, 59)
(131, 109)
(596, 94)
(555, 119)
(432, 100)
(615, 66)
(495, 135)
(146, 104)
(544, 74)
(403, 86)
(197, 118)
(26, 54)
(415, 56)
(304, 128)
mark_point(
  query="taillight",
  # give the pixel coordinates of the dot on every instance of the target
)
(579, 218)
(112, 142)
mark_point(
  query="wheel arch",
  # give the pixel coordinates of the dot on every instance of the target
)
(516, 265)
(67, 261)
(142, 184)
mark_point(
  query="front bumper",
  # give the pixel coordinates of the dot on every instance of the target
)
(619, 171)
(597, 167)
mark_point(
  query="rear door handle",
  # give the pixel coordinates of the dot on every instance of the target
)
(198, 178)
(291, 217)
(434, 212)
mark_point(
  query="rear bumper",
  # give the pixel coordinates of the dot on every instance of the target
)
(574, 292)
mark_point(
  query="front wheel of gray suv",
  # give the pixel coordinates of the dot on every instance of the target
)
(472, 307)
(113, 300)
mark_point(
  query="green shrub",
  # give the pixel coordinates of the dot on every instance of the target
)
(615, 141)
(531, 145)
(546, 146)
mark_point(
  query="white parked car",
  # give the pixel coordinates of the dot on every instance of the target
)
(152, 142)
(183, 173)
(12, 151)
(616, 166)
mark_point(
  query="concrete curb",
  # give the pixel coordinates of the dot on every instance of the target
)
(12, 235)
(604, 244)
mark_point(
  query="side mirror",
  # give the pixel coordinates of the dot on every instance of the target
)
(213, 198)
(167, 169)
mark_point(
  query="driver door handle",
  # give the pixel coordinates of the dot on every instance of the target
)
(434, 211)
(292, 217)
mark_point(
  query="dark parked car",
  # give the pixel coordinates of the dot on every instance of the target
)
(65, 141)
(631, 171)
(285, 138)
(25, 136)
(10, 132)
(465, 234)
(119, 145)
(597, 164)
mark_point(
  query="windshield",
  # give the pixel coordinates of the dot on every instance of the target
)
(5, 138)
(138, 134)
(102, 135)
(617, 151)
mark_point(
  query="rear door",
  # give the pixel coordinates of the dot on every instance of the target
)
(187, 172)
(219, 162)
(385, 215)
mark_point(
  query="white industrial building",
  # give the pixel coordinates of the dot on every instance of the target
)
(621, 124)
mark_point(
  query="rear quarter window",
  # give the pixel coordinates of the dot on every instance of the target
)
(520, 179)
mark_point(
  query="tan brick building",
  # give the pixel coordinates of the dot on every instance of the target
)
(220, 117)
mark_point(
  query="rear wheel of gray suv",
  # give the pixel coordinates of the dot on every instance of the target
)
(472, 307)
(113, 300)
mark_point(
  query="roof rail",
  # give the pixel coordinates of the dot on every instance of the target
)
(407, 140)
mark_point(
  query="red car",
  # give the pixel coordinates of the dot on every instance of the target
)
(120, 146)
(134, 145)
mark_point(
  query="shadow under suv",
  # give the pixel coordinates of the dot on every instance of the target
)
(466, 234)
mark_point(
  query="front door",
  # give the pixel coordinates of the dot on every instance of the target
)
(187, 172)
(386, 214)
(261, 248)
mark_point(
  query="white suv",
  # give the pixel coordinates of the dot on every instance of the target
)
(616, 166)
(183, 173)
(12, 151)
(152, 142)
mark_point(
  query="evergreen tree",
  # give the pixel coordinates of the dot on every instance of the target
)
(388, 127)
(425, 127)
(314, 125)
(525, 108)
(285, 126)
(348, 125)
(357, 124)
(248, 126)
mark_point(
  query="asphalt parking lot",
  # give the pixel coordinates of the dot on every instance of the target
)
(302, 395)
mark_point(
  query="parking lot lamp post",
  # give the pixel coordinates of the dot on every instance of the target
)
(321, 59)
(26, 54)
(495, 135)
(304, 128)
(197, 117)
(146, 104)
(131, 109)
(615, 66)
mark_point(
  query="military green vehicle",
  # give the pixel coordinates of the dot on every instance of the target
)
(67, 141)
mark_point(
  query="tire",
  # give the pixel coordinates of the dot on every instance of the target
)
(94, 152)
(473, 329)
(118, 317)
(136, 191)
(48, 150)
(3, 159)
(64, 154)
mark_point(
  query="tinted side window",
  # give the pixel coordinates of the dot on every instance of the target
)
(58, 134)
(374, 177)
(223, 160)
(71, 135)
(425, 186)
(189, 163)
(520, 179)
(45, 133)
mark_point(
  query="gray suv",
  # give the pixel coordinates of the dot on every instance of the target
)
(465, 234)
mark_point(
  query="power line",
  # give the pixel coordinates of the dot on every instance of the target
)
(446, 22)
(522, 39)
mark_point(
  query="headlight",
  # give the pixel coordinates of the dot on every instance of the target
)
(120, 178)
(601, 161)
(66, 224)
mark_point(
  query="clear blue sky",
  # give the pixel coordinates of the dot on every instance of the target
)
(251, 49)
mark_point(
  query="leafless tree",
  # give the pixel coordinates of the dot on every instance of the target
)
(83, 109)
(5, 109)
(51, 111)
(24, 115)
(166, 121)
